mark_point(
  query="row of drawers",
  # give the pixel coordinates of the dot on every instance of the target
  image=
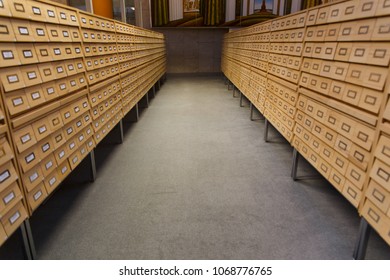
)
(372, 53)
(373, 77)
(19, 78)
(361, 97)
(15, 54)
(308, 149)
(346, 11)
(350, 137)
(12, 211)
(38, 11)
(20, 30)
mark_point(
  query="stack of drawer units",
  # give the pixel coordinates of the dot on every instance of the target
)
(327, 92)
(60, 73)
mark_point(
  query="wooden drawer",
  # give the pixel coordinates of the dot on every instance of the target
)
(355, 175)
(380, 172)
(368, 76)
(371, 100)
(9, 198)
(14, 218)
(12, 79)
(3, 235)
(359, 156)
(45, 147)
(48, 164)
(9, 55)
(29, 158)
(343, 145)
(40, 33)
(75, 159)
(340, 163)
(37, 196)
(41, 128)
(381, 30)
(327, 153)
(69, 131)
(32, 177)
(343, 51)
(24, 138)
(67, 17)
(324, 50)
(5, 10)
(58, 138)
(61, 154)
(324, 168)
(6, 154)
(31, 75)
(7, 31)
(52, 181)
(350, 10)
(382, 150)
(352, 193)
(22, 31)
(378, 196)
(357, 30)
(63, 170)
(377, 219)
(336, 179)
(47, 72)
(383, 8)
(334, 70)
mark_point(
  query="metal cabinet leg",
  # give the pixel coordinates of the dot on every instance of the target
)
(159, 84)
(234, 91)
(120, 125)
(241, 99)
(154, 90)
(295, 164)
(136, 113)
(230, 84)
(362, 242)
(30, 239)
(251, 106)
(26, 244)
(93, 165)
(266, 130)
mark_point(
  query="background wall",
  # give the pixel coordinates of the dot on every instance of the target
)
(194, 50)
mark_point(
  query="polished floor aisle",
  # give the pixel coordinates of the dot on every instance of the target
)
(195, 180)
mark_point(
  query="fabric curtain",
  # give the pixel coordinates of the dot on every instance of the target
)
(213, 11)
(160, 12)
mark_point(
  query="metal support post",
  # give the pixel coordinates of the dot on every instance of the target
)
(26, 244)
(30, 239)
(295, 164)
(251, 106)
(136, 113)
(266, 130)
(362, 242)
(120, 125)
(154, 90)
(241, 99)
(159, 84)
(234, 91)
(230, 84)
(92, 165)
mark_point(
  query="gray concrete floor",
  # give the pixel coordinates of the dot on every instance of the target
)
(195, 180)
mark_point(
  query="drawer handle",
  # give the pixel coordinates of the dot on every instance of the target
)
(4, 176)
